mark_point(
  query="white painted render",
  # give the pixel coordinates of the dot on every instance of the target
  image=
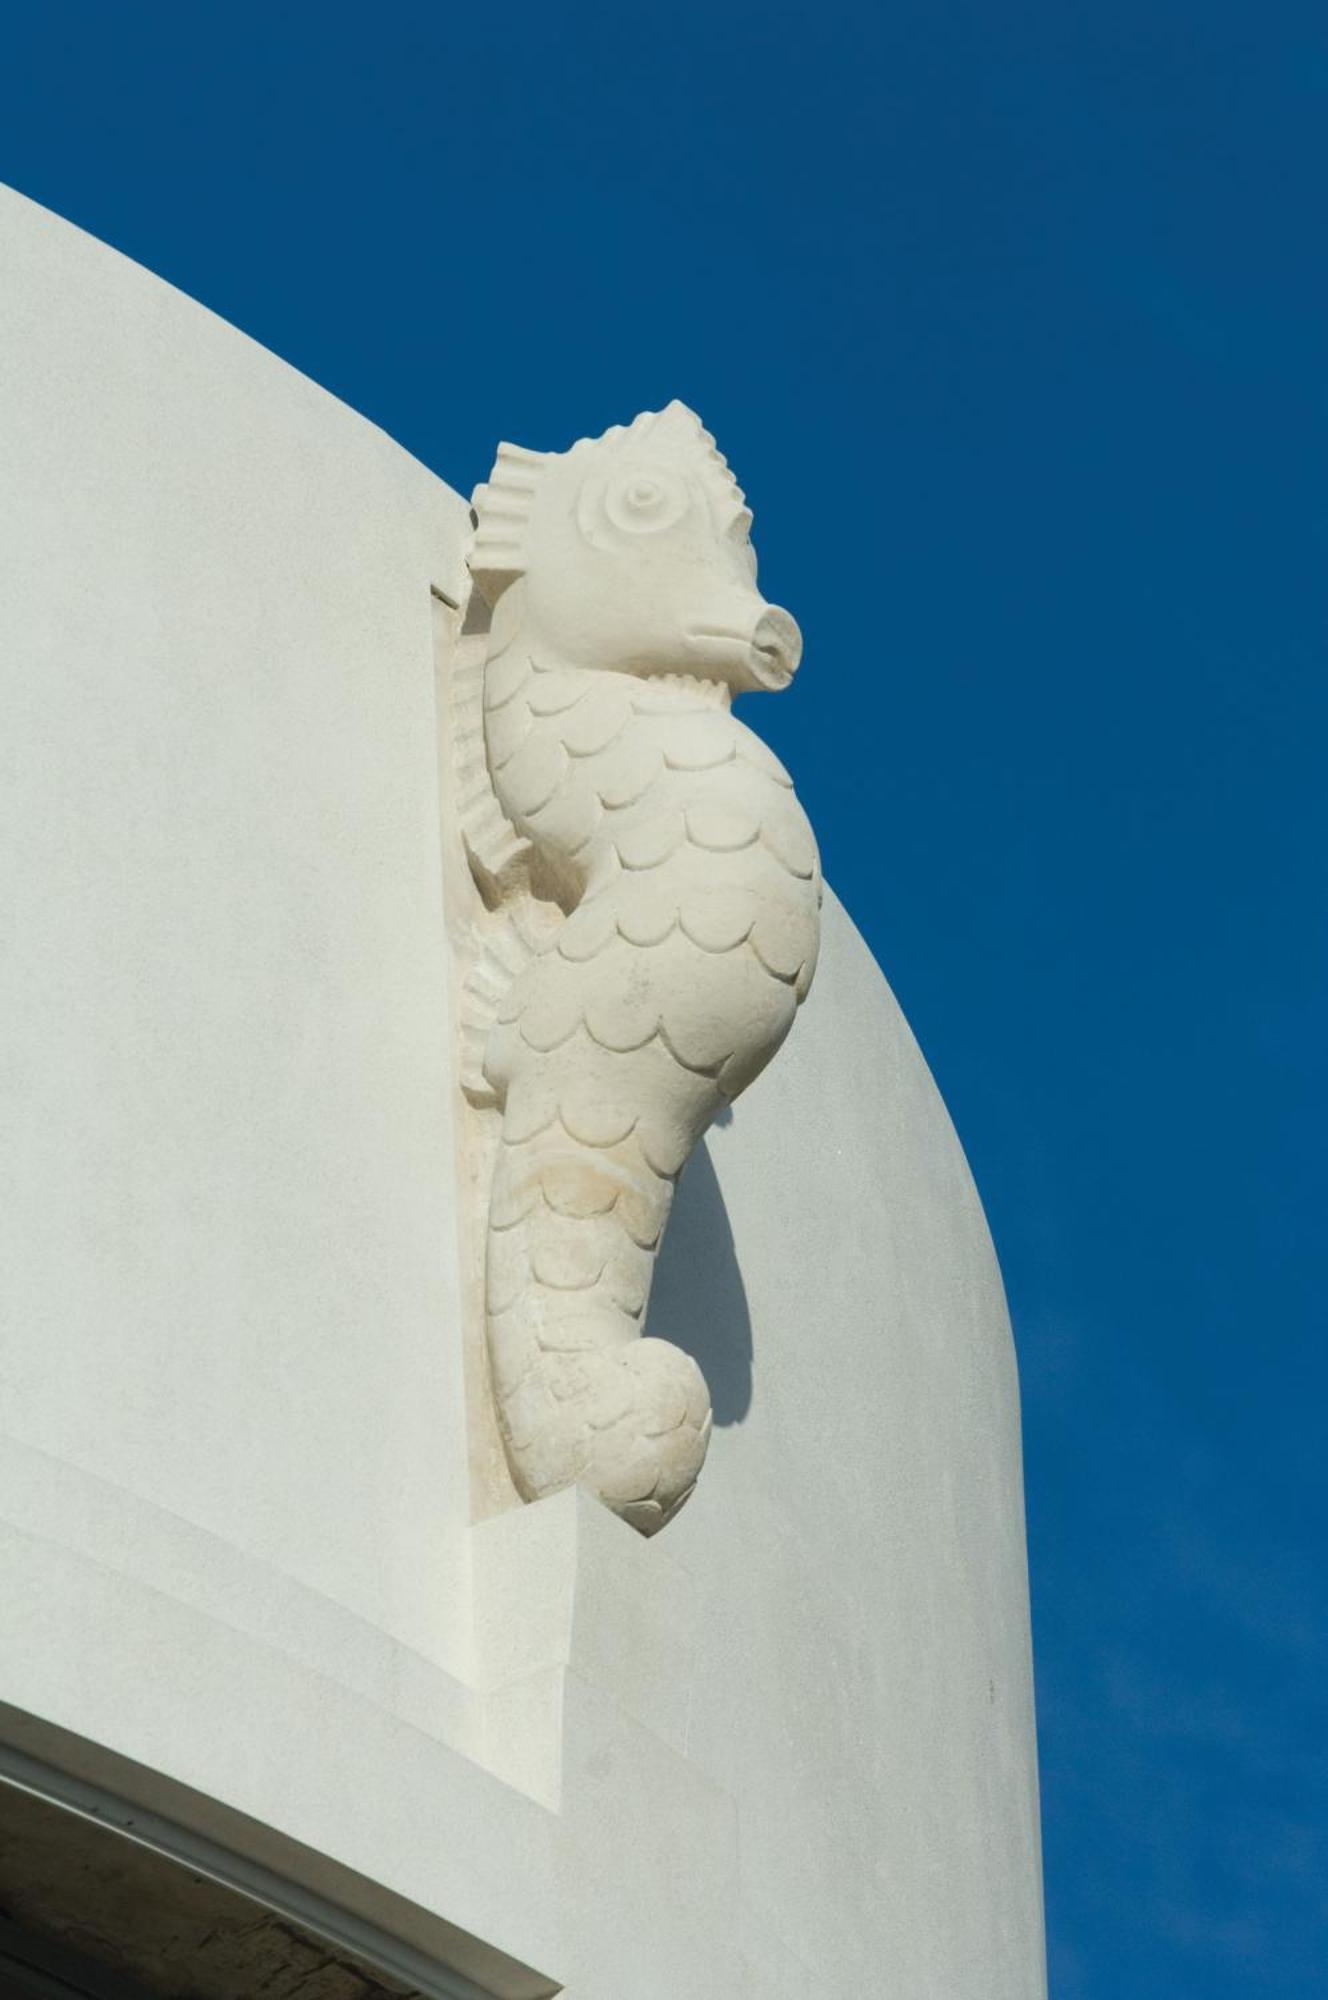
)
(785, 1749)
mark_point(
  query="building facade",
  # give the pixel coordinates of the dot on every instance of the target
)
(284, 1668)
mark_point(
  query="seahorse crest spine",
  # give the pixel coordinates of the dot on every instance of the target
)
(685, 885)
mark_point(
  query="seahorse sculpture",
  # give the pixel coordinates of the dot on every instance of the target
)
(618, 789)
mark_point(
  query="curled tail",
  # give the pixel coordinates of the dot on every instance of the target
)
(610, 1056)
(577, 1211)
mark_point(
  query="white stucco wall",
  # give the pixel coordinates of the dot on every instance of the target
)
(784, 1750)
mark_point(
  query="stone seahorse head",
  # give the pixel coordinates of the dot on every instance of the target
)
(645, 563)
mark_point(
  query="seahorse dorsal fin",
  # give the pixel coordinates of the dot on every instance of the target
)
(499, 857)
(504, 949)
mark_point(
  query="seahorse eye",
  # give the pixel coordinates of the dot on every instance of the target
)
(645, 502)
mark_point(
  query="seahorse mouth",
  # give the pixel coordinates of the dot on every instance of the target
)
(765, 656)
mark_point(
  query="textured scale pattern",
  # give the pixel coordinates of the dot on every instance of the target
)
(691, 886)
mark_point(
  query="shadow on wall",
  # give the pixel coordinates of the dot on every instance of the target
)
(698, 1301)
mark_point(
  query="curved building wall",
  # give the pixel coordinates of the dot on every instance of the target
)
(784, 1750)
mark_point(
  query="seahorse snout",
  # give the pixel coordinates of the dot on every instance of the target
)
(776, 648)
(758, 645)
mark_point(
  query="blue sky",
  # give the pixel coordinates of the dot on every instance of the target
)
(1012, 320)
